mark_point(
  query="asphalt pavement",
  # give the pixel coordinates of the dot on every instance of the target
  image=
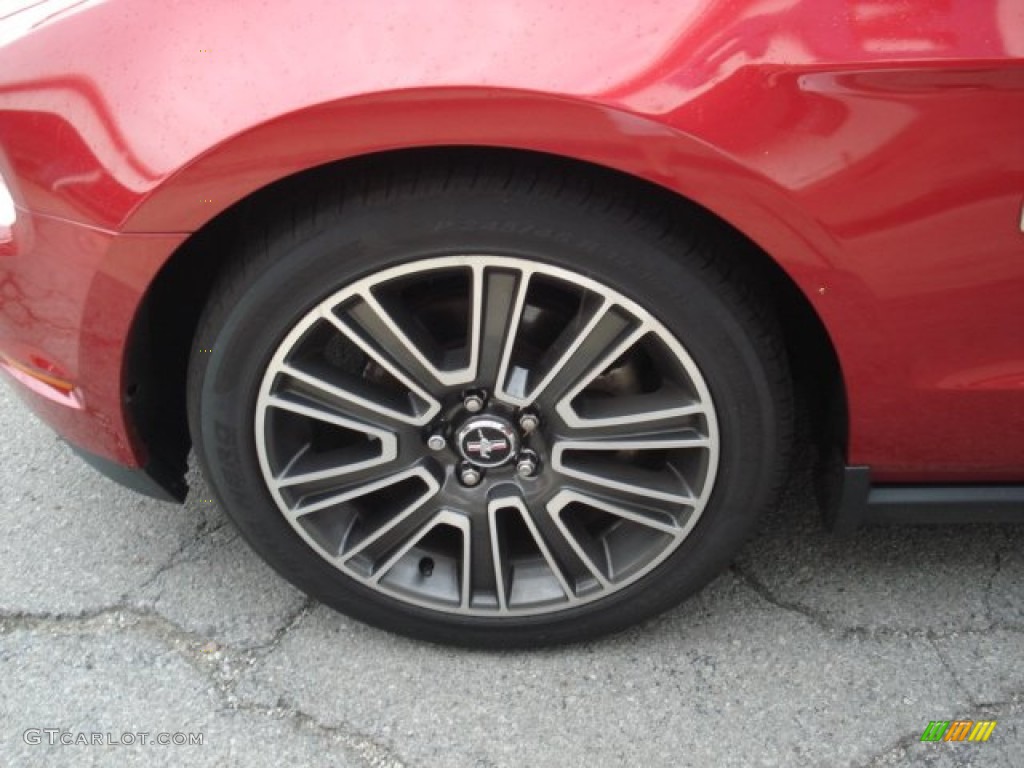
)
(123, 616)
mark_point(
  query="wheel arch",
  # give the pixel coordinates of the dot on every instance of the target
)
(569, 127)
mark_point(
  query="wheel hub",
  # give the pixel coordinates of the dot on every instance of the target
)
(487, 441)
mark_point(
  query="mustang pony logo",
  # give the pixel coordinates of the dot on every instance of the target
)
(483, 446)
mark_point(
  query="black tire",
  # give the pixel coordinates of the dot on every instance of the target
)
(608, 232)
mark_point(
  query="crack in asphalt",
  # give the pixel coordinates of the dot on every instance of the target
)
(950, 670)
(894, 748)
(222, 666)
(287, 625)
(175, 558)
(897, 749)
(372, 753)
(986, 597)
(821, 620)
(762, 590)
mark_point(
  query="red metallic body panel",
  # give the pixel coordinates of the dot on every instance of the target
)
(67, 301)
(875, 149)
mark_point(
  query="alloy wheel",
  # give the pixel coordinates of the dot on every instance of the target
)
(486, 435)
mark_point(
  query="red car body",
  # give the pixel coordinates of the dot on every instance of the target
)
(874, 149)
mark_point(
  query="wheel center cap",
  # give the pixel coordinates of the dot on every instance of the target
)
(487, 441)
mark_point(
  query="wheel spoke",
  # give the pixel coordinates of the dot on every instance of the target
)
(363, 398)
(384, 571)
(601, 463)
(645, 426)
(501, 566)
(328, 466)
(365, 485)
(481, 565)
(577, 342)
(628, 530)
(672, 396)
(367, 325)
(362, 409)
(322, 470)
(306, 407)
(632, 415)
(656, 519)
(611, 333)
(381, 326)
(526, 578)
(498, 298)
(588, 554)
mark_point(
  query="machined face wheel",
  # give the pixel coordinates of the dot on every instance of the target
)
(486, 436)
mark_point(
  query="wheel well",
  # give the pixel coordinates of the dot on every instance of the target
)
(161, 339)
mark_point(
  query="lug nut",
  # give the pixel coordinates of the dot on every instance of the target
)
(474, 401)
(436, 442)
(469, 476)
(527, 463)
(528, 422)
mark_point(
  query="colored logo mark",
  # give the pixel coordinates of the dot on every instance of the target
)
(958, 730)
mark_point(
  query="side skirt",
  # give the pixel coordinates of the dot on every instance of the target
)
(849, 500)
